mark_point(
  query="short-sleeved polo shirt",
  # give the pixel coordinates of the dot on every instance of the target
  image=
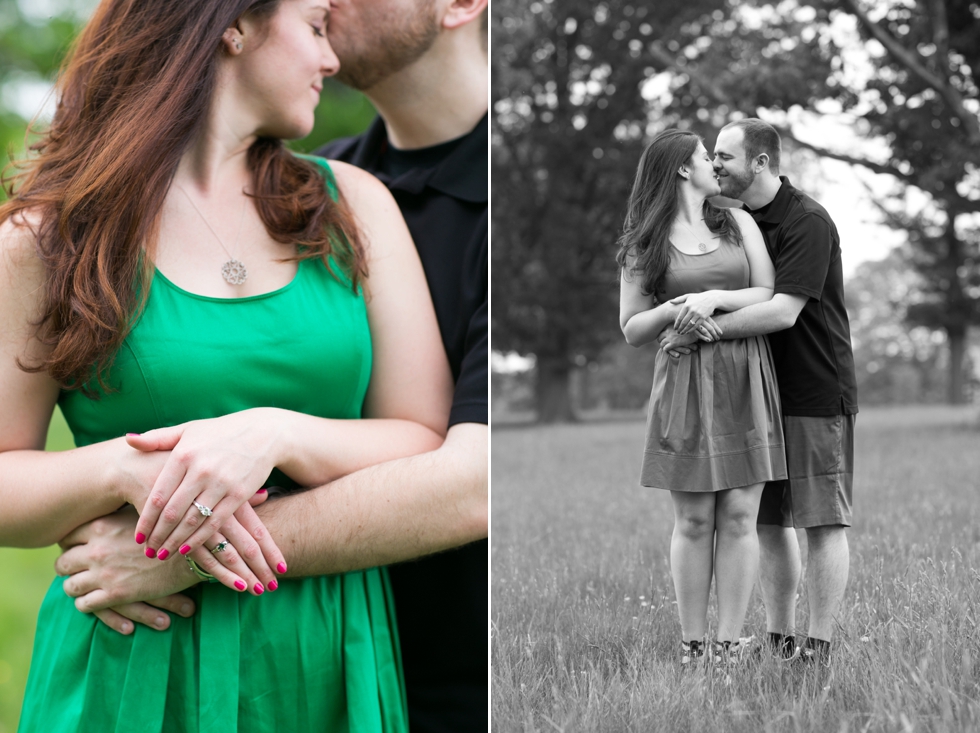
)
(814, 361)
(441, 600)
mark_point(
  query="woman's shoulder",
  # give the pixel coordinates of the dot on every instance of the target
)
(368, 198)
(356, 181)
(18, 238)
(347, 177)
(21, 270)
(741, 216)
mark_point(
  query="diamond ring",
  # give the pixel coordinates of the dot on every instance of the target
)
(204, 510)
(220, 547)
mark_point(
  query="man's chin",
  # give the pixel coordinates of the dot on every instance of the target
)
(730, 192)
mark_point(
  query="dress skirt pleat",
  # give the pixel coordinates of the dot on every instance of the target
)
(714, 421)
(318, 654)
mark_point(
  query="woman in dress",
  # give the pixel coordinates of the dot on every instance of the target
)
(714, 433)
(165, 260)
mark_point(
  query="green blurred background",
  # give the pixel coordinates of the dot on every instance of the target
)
(34, 35)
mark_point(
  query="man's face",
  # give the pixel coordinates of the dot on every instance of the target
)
(731, 166)
(376, 38)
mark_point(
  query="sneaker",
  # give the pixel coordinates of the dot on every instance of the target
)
(692, 653)
(814, 652)
(775, 646)
(732, 653)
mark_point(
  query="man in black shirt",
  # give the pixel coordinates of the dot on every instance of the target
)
(810, 339)
(429, 146)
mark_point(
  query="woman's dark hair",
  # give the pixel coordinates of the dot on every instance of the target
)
(133, 93)
(644, 245)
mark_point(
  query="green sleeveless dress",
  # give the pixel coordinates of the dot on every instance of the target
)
(318, 654)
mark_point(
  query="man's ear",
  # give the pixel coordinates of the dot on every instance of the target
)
(461, 12)
(761, 161)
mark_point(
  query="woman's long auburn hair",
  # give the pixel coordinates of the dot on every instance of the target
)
(133, 93)
(644, 246)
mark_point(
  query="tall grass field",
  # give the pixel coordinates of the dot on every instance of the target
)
(584, 630)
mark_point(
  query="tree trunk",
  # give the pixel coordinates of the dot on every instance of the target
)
(552, 392)
(957, 350)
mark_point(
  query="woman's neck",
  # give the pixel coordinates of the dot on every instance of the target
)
(690, 206)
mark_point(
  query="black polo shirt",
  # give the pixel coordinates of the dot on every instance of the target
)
(814, 361)
(441, 601)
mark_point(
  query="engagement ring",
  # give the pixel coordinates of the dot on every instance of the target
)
(204, 510)
(220, 547)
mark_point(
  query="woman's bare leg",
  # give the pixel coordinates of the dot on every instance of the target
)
(691, 555)
(736, 556)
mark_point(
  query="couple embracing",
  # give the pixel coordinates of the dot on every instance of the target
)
(274, 367)
(751, 416)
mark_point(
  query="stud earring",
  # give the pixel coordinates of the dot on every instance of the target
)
(238, 45)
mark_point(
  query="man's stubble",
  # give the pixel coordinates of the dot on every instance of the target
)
(383, 45)
(734, 184)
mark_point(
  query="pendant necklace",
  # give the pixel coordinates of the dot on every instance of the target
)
(233, 271)
(701, 245)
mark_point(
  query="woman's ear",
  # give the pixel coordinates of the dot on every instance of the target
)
(231, 39)
(683, 172)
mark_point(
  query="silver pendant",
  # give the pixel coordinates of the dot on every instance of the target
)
(701, 246)
(234, 272)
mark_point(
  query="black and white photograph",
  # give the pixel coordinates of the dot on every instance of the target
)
(735, 365)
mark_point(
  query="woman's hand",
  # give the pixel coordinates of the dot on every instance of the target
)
(215, 466)
(708, 330)
(248, 554)
(694, 309)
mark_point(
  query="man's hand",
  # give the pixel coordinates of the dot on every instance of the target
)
(676, 344)
(111, 577)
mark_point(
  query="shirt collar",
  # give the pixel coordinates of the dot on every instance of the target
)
(775, 210)
(462, 175)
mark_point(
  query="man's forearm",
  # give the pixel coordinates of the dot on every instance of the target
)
(754, 320)
(387, 513)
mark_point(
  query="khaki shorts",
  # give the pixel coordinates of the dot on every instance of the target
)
(820, 462)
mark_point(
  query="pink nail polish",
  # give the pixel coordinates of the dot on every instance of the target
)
(273, 585)
(259, 590)
(262, 491)
(128, 434)
(281, 567)
(240, 584)
(140, 538)
(150, 552)
(184, 549)
(163, 554)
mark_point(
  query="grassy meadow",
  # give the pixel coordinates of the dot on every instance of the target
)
(24, 579)
(584, 632)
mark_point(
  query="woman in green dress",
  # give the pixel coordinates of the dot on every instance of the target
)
(165, 261)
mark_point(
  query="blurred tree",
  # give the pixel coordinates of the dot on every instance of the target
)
(922, 97)
(895, 363)
(30, 53)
